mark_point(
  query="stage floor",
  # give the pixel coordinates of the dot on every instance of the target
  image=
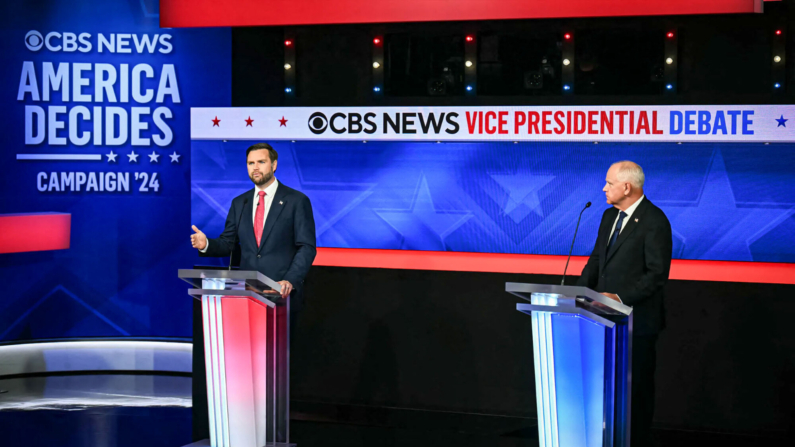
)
(145, 410)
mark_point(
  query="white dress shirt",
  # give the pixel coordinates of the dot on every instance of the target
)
(628, 212)
(270, 191)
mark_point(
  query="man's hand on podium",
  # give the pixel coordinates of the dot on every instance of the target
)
(612, 296)
(198, 239)
(286, 288)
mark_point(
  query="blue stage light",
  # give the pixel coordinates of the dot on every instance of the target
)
(669, 87)
(566, 87)
(376, 89)
(288, 90)
(777, 85)
(469, 88)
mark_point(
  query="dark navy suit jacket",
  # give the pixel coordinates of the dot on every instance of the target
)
(288, 244)
(637, 265)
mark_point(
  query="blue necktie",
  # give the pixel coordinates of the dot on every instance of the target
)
(621, 216)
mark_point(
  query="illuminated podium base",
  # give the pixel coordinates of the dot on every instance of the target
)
(246, 353)
(206, 443)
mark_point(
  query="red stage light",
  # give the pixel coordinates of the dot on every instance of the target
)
(778, 32)
(287, 43)
(670, 35)
(376, 41)
(567, 36)
(470, 38)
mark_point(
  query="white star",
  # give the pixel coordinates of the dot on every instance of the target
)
(133, 157)
(175, 157)
(111, 156)
(153, 157)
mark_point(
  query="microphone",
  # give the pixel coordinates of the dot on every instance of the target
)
(563, 280)
(237, 231)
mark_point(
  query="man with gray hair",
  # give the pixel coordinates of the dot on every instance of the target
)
(630, 263)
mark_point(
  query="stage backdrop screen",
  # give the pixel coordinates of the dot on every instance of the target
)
(725, 200)
(95, 103)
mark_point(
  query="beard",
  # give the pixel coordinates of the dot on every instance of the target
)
(265, 177)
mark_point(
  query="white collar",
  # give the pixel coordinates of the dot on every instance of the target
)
(269, 191)
(633, 207)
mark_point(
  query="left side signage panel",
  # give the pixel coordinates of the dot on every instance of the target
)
(95, 103)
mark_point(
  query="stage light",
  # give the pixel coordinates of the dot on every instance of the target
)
(566, 62)
(376, 89)
(669, 86)
(288, 90)
(777, 85)
(287, 66)
(566, 87)
(778, 32)
(669, 61)
(468, 63)
(376, 65)
(288, 43)
(470, 39)
(567, 36)
(670, 35)
(469, 88)
(376, 41)
(777, 59)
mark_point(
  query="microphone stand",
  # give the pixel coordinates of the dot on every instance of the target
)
(563, 279)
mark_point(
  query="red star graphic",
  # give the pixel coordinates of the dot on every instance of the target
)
(216, 121)
(249, 121)
(282, 122)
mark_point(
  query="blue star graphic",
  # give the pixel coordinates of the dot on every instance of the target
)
(522, 193)
(781, 121)
(422, 226)
(715, 228)
(333, 201)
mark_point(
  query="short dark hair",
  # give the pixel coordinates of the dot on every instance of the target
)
(260, 146)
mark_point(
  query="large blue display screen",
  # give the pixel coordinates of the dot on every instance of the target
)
(725, 201)
(95, 102)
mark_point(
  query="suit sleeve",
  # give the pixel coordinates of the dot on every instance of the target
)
(305, 241)
(590, 273)
(223, 244)
(658, 246)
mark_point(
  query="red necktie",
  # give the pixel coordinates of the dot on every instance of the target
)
(260, 217)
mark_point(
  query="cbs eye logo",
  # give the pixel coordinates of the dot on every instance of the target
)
(318, 123)
(34, 40)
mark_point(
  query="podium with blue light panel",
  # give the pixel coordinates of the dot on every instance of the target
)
(582, 350)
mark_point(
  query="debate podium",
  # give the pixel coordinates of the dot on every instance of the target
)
(247, 357)
(582, 350)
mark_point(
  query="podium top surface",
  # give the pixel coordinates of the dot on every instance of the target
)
(594, 301)
(234, 279)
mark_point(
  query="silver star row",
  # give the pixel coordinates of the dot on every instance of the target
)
(133, 157)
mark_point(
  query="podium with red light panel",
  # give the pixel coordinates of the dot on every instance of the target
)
(247, 356)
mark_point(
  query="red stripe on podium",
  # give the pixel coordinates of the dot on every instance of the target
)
(34, 232)
(753, 272)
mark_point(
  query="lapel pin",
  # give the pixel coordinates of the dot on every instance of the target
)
(282, 203)
(636, 219)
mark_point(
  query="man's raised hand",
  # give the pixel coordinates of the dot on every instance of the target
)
(198, 239)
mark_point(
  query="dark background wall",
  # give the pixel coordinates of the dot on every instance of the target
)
(453, 341)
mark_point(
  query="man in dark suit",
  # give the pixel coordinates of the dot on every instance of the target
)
(276, 230)
(630, 263)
